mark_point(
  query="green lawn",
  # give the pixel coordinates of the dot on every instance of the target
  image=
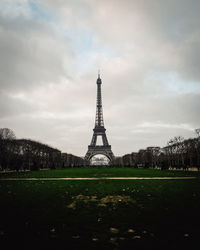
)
(100, 172)
(100, 214)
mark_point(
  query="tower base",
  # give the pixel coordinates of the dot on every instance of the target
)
(103, 150)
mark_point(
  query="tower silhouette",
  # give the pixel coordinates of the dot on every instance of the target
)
(99, 130)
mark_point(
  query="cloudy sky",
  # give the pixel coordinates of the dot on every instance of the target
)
(148, 52)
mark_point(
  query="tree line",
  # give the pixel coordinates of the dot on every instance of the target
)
(25, 154)
(179, 153)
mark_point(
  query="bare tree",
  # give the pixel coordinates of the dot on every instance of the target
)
(197, 131)
(7, 134)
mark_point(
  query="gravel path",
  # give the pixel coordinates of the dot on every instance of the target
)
(95, 178)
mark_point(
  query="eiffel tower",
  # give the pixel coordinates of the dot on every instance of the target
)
(99, 130)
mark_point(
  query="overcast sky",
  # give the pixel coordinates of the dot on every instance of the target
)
(148, 52)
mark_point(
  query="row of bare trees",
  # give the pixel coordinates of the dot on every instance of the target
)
(16, 154)
(22, 154)
(71, 161)
(178, 154)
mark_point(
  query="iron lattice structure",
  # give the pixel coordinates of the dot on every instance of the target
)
(99, 130)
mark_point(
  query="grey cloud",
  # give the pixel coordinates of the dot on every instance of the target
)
(168, 109)
(164, 35)
(31, 54)
(11, 106)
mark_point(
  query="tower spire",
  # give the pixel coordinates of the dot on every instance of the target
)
(98, 73)
(99, 110)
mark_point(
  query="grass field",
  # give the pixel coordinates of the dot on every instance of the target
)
(100, 214)
(99, 172)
